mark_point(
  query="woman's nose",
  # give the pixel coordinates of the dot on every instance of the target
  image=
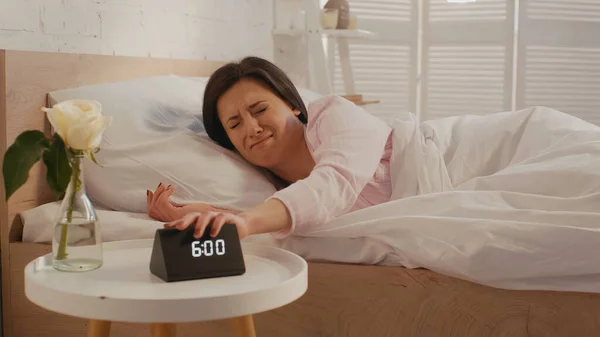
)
(253, 127)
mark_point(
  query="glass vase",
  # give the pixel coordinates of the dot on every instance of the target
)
(77, 241)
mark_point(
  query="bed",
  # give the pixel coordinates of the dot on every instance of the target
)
(343, 299)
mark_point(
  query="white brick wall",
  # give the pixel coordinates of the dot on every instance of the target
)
(188, 29)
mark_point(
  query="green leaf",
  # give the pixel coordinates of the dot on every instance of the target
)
(93, 158)
(20, 157)
(58, 170)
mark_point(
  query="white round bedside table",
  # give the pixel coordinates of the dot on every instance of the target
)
(124, 290)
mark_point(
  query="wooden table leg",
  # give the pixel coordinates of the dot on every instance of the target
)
(243, 326)
(163, 330)
(98, 328)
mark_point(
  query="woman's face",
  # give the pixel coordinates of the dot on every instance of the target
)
(260, 125)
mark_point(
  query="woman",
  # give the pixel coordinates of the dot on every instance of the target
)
(332, 158)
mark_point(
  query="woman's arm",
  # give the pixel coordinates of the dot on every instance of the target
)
(270, 216)
(351, 144)
(162, 209)
(200, 207)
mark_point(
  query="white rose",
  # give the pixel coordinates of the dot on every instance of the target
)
(79, 123)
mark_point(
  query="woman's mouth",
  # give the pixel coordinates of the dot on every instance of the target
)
(261, 142)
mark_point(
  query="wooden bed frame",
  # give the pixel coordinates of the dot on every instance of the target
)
(342, 300)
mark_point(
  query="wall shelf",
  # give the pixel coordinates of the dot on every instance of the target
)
(338, 33)
(321, 61)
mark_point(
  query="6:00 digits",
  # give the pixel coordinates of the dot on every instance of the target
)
(206, 248)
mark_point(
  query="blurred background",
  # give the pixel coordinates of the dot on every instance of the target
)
(435, 58)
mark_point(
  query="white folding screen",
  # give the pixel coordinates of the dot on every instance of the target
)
(441, 58)
(382, 71)
(384, 68)
(383, 10)
(559, 56)
(467, 57)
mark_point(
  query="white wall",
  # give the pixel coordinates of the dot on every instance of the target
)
(187, 29)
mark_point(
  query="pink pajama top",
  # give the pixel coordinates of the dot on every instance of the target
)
(351, 149)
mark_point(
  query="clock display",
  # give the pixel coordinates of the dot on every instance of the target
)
(208, 248)
(178, 255)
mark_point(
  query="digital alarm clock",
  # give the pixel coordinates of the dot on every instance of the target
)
(178, 256)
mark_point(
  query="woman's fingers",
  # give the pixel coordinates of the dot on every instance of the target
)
(188, 220)
(168, 191)
(159, 206)
(202, 223)
(149, 195)
(201, 220)
(184, 222)
(218, 223)
(163, 198)
(158, 192)
(172, 224)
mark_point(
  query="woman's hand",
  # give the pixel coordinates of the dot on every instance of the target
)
(270, 216)
(162, 209)
(201, 220)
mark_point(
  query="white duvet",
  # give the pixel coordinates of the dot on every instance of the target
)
(509, 200)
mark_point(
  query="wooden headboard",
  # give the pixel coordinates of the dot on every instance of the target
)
(25, 80)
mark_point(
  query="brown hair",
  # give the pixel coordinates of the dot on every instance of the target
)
(253, 68)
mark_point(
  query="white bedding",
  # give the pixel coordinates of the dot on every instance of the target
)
(509, 200)
(118, 225)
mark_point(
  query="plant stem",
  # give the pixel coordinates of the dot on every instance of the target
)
(62, 246)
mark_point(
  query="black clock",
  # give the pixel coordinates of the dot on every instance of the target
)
(178, 256)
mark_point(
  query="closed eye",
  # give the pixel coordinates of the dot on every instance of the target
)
(233, 122)
(236, 118)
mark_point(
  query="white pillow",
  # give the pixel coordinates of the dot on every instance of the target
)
(157, 136)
